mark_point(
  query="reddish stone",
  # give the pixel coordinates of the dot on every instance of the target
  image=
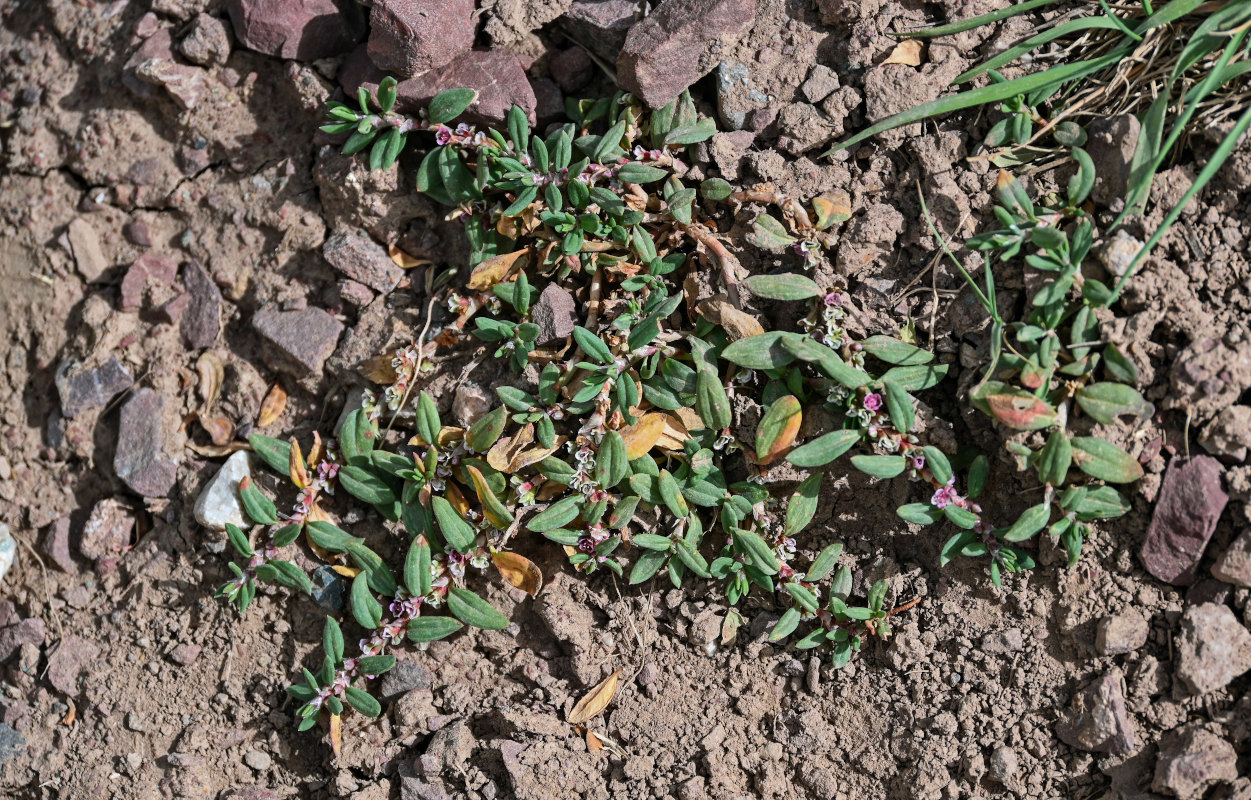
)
(68, 661)
(571, 69)
(202, 321)
(305, 30)
(55, 545)
(107, 531)
(302, 339)
(90, 388)
(1097, 720)
(140, 460)
(601, 25)
(674, 46)
(12, 637)
(362, 259)
(497, 76)
(411, 36)
(149, 269)
(160, 45)
(1190, 503)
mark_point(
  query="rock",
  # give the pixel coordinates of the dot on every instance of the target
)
(417, 789)
(258, 760)
(362, 259)
(139, 460)
(8, 549)
(1003, 764)
(821, 83)
(601, 25)
(407, 674)
(549, 101)
(149, 270)
(411, 36)
(305, 30)
(328, 589)
(677, 44)
(1191, 501)
(90, 388)
(218, 503)
(1097, 720)
(85, 246)
(738, 96)
(107, 532)
(137, 233)
(303, 339)
(1121, 633)
(202, 320)
(68, 661)
(55, 545)
(28, 631)
(1208, 590)
(207, 42)
(356, 295)
(159, 45)
(1234, 565)
(1213, 648)
(1111, 147)
(1191, 760)
(571, 68)
(497, 76)
(185, 654)
(187, 85)
(727, 150)
(449, 749)
(11, 743)
(1000, 642)
(555, 313)
(1229, 434)
(171, 311)
(470, 403)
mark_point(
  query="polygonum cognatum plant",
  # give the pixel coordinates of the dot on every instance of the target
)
(625, 448)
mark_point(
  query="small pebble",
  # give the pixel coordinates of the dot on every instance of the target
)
(258, 760)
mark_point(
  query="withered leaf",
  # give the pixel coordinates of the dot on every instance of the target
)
(380, 370)
(211, 374)
(405, 260)
(519, 571)
(272, 406)
(907, 52)
(643, 435)
(220, 429)
(596, 700)
(296, 468)
(495, 269)
(593, 743)
(336, 734)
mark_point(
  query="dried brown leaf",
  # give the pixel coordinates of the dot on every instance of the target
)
(495, 269)
(506, 447)
(643, 435)
(519, 571)
(593, 743)
(216, 451)
(211, 374)
(405, 260)
(596, 700)
(380, 370)
(336, 734)
(907, 52)
(272, 406)
(296, 468)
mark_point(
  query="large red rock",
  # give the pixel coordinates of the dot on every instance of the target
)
(305, 30)
(677, 44)
(1191, 501)
(497, 75)
(411, 36)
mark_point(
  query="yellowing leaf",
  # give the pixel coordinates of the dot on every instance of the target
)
(317, 514)
(380, 369)
(739, 324)
(336, 734)
(643, 435)
(494, 511)
(519, 571)
(296, 469)
(405, 260)
(494, 269)
(345, 571)
(272, 406)
(1021, 412)
(907, 52)
(689, 419)
(505, 448)
(674, 435)
(778, 429)
(534, 455)
(457, 499)
(212, 374)
(596, 700)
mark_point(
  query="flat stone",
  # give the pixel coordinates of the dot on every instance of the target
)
(821, 83)
(418, 789)
(11, 743)
(149, 270)
(159, 45)
(1001, 642)
(1121, 633)
(555, 312)
(411, 36)
(90, 388)
(497, 76)
(303, 338)
(470, 403)
(1234, 565)
(305, 30)
(28, 631)
(449, 749)
(1097, 720)
(140, 460)
(186, 84)
(601, 25)
(185, 654)
(677, 44)
(571, 68)
(218, 504)
(258, 760)
(1212, 648)
(107, 532)
(1229, 434)
(329, 589)
(68, 661)
(407, 674)
(362, 259)
(138, 233)
(85, 245)
(55, 545)
(207, 42)
(1190, 504)
(357, 295)
(202, 320)
(1192, 759)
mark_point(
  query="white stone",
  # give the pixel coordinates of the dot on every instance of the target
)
(219, 503)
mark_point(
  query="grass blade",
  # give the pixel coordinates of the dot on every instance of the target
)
(975, 22)
(1033, 43)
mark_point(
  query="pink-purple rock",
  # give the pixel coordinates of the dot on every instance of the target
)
(556, 313)
(1097, 720)
(140, 460)
(363, 260)
(571, 68)
(302, 339)
(201, 322)
(1192, 760)
(1190, 504)
(601, 25)
(90, 388)
(1234, 565)
(677, 44)
(55, 545)
(160, 46)
(305, 30)
(150, 269)
(207, 42)
(27, 631)
(68, 661)
(108, 530)
(186, 84)
(497, 76)
(1212, 649)
(411, 36)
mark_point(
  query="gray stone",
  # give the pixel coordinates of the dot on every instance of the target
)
(202, 319)
(90, 388)
(418, 789)
(677, 44)
(1193, 759)
(11, 743)
(1234, 565)
(469, 404)
(258, 760)
(411, 36)
(1229, 433)
(28, 631)
(218, 503)
(85, 245)
(555, 313)
(1121, 633)
(362, 259)
(303, 339)
(821, 83)
(407, 674)
(1003, 764)
(140, 461)
(1190, 503)
(207, 42)
(449, 749)
(187, 85)
(329, 589)
(305, 30)
(1001, 642)
(1097, 720)
(1213, 648)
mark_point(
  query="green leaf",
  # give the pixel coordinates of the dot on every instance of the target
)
(763, 351)
(914, 379)
(777, 428)
(592, 345)
(671, 494)
(1118, 366)
(375, 665)
(365, 607)
(711, 401)
(1107, 401)
(894, 351)
(330, 537)
(955, 545)
(803, 505)
(823, 449)
(449, 104)
(1104, 460)
(473, 610)
(417, 575)
(428, 422)
(458, 533)
(802, 595)
(824, 563)
(962, 517)
(260, 509)
(1055, 458)
(1101, 502)
(429, 629)
(899, 405)
(786, 625)
(808, 349)
(611, 462)
(375, 569)
(364, 485)
(239, 541)
(919, 513)
(274, 452)
(486, 431)
(790, 286)
(558, 514)
(692, 558)
(651, 541)
(882, 467)
(769, 234)
(756, 549)
(715, 189)
(1030, 523)
(362, 701)
(634, 172)
(647, 565)
(979, 471)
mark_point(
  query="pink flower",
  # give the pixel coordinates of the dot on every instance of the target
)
(918, 461)
(873, 401)
(443, 136)
(834, 299)
(945, 496)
